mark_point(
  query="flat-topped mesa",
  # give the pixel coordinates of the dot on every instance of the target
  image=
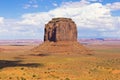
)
(60, 29)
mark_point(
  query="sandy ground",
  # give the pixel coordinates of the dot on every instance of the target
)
(18, 64)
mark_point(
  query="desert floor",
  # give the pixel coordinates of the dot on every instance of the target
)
(18, 64)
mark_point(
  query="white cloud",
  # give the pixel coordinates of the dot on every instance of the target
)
(1, 20)
(55, 4)
(32, 1)
(95, 0)
(114, 6)
(31, 4)
(35, 19)
(35, 6)
(112, 34)
(88, 16)
(26, 6)
(11, 29)
(75, 4)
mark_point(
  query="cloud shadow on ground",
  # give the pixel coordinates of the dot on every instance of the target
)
(17, 63)
(42, 55)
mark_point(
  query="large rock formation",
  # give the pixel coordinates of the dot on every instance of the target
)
(60, 37)
(60, 29)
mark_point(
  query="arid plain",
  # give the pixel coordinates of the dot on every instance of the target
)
(16, 63)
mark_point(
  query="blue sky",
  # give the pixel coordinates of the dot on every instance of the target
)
(25, 19)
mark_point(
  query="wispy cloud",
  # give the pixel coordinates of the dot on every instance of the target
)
(32, 1)
(114, 6)
(31, 4)
(35, 6)
(1, 20)
(55, 4)
(92, 0)
(26, 6)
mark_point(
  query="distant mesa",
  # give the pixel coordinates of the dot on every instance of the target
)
(60, 36)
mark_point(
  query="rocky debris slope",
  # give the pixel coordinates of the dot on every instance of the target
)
(61, 47)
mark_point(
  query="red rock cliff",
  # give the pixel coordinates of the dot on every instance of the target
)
(60, 29)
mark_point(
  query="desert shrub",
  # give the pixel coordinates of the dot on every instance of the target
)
(22, 68)
(22, 78)
(55, 76)
(10, 77)
(45, 72)
(67, 79)
(34, 75)
(23, 73)
(49, 68)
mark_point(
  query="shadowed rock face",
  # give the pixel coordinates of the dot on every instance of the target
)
(60, 29)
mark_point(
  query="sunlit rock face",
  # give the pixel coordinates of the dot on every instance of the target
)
(60, 29)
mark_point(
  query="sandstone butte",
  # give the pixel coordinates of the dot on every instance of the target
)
(60, 36)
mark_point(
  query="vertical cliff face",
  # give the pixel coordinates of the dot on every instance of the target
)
(60, 29)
